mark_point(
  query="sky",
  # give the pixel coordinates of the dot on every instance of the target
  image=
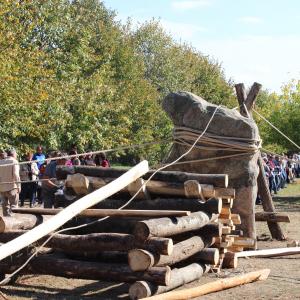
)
(254, 40)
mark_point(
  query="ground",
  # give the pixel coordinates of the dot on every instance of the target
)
(283, 282)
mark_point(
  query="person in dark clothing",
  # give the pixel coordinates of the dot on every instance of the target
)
(101, 160)
(51, 185)
(28, 172)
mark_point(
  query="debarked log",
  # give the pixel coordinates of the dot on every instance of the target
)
(140, 260)
(165, 227)
(97, 242)
(179, 277)
(51, 264)
(271, 217)
(21, 221)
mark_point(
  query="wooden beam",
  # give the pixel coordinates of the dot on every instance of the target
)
(271, 217)
(271, 252)
(72, 210)
(214, 286)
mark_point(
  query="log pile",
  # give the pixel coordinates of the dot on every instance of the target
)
(179, 227)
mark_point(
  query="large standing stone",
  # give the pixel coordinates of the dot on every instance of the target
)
(188, 110)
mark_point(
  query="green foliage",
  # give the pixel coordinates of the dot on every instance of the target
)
(282, 110)
(72, 74)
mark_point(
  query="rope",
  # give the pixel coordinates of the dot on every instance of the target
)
(274, 127)
(185, 136)
(120, 208)
(91, 152)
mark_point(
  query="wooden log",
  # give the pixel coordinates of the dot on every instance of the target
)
(140, 260)
(212, 206)
(79, 183)
(217, 180)
(244, 242)
(107, 212)
(155, 187)
(271, 252)
(165, 227)
(214, 286)
(225, 193)
(236, 219)
(71, 211)
(21, 222)
(96, 242)
(137, 185)
(61, 266)
(193, 189)
(209, 256)
(230, 260)
(271, 217)
(179, 277)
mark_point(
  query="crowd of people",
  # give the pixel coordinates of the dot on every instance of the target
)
(280, 170)
(35, 180)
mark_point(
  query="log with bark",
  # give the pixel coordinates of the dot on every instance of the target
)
(214, 286)
(21, 221)
(107, 212)
(140, 260)
(97, 242)
(165, 227)
(179, 277)
(57, 265)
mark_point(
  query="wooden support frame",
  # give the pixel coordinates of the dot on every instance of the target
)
(246, 103)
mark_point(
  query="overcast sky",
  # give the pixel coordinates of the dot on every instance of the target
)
(255, 40)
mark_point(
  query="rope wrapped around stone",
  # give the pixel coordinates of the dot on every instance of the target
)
(187, 136)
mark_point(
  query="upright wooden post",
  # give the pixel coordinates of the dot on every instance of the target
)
(246, 104)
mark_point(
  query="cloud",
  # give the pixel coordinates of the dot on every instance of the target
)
(269, 60)
(184, 31)
(190, 4)
(250, 20)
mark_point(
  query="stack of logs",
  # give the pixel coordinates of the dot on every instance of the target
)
(177, 228)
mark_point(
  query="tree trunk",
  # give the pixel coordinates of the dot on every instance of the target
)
(218, 180)
(214, 286)
(179, 277)
(97, 242)
(21, 222)
(165, 227)
(61, 266)
(140, 260)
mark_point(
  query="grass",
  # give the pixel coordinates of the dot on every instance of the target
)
(292, 190)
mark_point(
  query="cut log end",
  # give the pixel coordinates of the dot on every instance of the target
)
(140, 260)
(139, 290)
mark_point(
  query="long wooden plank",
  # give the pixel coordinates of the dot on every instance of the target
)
(270, 252)
(73, 210)
(214, 286)
(107, 212)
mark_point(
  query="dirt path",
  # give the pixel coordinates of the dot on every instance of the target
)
(283, 283)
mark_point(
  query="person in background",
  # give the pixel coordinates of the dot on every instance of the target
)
(89, 161)
(101, 160)
(39, 156)
(75, 160)
(50, 185)
(28, 172)
(10, 186)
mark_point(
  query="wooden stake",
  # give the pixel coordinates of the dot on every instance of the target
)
(271, 252)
